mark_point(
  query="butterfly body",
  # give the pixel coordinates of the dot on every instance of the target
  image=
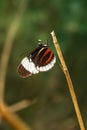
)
(39, 60)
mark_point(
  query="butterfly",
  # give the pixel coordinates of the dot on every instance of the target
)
(39, 60)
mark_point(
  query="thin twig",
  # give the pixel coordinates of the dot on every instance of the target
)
(12, 119)
(69, 81)
(20, 105)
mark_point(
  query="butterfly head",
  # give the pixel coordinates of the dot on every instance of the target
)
(41, 44)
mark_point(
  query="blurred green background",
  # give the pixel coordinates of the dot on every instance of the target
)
(53, 109)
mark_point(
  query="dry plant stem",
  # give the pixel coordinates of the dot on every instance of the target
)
(70, 85)
(8, 46)
(5, 56)
(13, 119)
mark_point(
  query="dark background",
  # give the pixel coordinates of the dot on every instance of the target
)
(53, 109)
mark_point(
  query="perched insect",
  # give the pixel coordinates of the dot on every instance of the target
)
(39, 60)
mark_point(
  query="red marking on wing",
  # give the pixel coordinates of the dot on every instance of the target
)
(49, 58)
